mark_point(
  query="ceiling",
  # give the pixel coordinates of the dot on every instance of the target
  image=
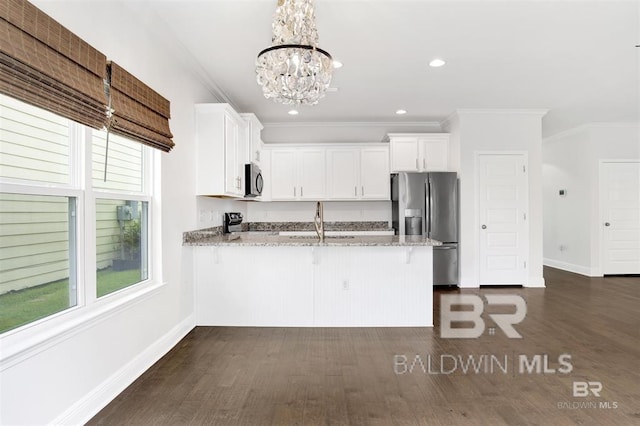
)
(577, 59)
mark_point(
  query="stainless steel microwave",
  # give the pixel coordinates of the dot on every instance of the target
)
(253, 182)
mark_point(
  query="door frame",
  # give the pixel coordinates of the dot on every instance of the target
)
(526, 241)
(599, 271)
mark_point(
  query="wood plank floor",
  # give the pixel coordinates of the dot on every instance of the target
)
(256, 376)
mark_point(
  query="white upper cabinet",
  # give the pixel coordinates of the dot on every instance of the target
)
(358, 173)
(419, 152)
(222, 150)
(297, 174)
(374, 173)
(343, 176)
(254, 144)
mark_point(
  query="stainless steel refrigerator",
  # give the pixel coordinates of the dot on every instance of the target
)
(427, 204)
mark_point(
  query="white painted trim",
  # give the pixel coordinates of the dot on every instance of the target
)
(570, 267)
(163, 31)
(87, 407)
(583, 127)
(601, 163)
(381, 124)
(527, 253)
(521, 111)
(25, 342)
(535, 282)
(565, 133)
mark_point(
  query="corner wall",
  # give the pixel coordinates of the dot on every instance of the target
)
(65, 374)
(571, 159)
(497, 131)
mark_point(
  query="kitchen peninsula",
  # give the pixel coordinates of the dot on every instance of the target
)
(267, 279)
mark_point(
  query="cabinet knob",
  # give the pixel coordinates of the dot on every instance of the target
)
(607, 224)
(484, 226)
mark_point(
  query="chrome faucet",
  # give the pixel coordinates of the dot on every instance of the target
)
(318, 221)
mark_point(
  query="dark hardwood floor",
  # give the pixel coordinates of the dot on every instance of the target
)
(255, 376)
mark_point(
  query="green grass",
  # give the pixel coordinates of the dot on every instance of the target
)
(24, 306)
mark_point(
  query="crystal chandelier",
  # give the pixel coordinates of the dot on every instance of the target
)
(294, 70)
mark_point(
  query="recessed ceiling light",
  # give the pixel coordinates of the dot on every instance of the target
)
(401, 111)
(337, 64)
(437, 63)
(293, 112)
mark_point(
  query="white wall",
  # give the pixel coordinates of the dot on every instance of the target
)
(497, 131)
(571, 161)
(68, 372)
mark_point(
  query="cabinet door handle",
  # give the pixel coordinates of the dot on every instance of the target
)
(417, 164)
(424, 163)
(355, 191)
(362, 190)
(301, 192)
(294, 191)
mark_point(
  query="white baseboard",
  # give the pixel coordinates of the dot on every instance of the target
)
(569, 267)
(535, 282)
(83, 410)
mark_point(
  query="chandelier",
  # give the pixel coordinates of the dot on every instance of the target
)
(294, 70)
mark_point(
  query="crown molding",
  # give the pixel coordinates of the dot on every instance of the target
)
(380, 124)
(180, 52)
(584, 127)
(517, 111)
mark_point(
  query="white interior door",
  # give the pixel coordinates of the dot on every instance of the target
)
(502, 218)
(620, 212)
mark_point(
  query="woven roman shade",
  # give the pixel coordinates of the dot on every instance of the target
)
(139, 113)
(46, 65)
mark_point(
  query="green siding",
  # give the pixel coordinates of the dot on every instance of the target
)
(34, 229)
(34, 143)
(34, 235)
(124, 163)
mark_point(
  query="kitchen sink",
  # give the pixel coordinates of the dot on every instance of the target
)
(315, 237)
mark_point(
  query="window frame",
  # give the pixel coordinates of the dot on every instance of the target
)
(23, 340)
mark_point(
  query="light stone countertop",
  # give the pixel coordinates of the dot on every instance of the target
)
(202, 238)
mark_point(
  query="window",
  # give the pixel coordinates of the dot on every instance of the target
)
(52, 211)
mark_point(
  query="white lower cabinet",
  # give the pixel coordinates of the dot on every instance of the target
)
(321, 286)
(298, 174)
(356, 173)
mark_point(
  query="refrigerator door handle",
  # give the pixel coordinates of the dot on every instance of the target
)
(428, 212)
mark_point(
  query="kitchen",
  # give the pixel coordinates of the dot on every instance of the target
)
(487, 121)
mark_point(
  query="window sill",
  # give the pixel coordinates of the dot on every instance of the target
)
(29, 340)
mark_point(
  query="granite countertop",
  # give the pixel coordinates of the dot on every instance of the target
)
(212, 238)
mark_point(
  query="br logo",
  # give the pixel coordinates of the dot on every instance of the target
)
(503, 321)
